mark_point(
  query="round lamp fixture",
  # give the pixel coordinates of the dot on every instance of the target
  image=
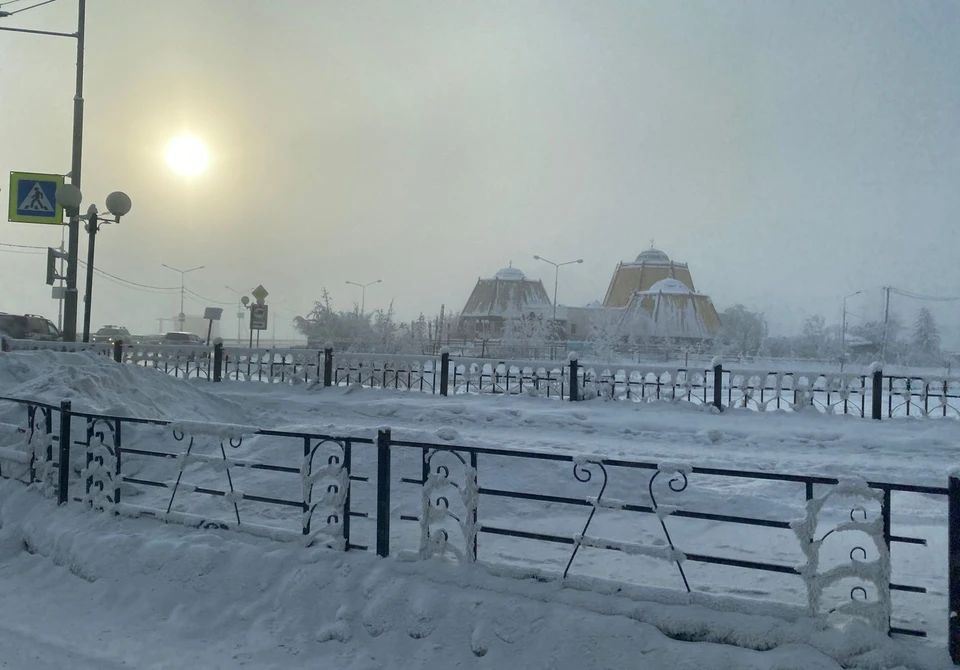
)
(118, 204)
(69, 196)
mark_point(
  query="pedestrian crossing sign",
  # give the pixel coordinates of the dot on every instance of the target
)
(33, 198)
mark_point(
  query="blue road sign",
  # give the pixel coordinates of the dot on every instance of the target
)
(33, 198)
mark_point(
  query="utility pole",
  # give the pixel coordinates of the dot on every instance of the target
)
(183, 289)
(73, 227)
(886, 321)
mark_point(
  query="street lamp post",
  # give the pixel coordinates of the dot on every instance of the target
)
(363, 292)
(118, 203)
(556, 280)
(183, 273)
(73, 245)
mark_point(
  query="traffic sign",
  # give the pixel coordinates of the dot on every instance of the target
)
(33, 198)
(260, 294)
(258, 317)
(212, 313)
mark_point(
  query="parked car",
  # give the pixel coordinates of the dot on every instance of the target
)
(28, 327)
(111, 334)
(184, 339)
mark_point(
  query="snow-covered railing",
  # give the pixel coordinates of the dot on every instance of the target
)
(100, 348)
(865, 393)
(563, 516)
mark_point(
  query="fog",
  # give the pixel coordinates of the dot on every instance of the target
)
(792, 153)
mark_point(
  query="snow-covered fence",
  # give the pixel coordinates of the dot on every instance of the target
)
(869, 393)
(819, 547)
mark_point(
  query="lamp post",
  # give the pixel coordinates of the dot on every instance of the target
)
(118, 203)
(240, 315)
(843, 329)
(183, 273)
(556, 279)
(73, 245)
(363, 292)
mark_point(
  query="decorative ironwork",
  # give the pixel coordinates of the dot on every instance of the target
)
(583, 474)
(102, 489)
(434, 537)
(677, 483)
(335, 474)
(876, 572)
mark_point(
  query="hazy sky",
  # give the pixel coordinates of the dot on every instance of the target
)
(791, 152)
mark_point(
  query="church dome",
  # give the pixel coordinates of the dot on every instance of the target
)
(510, 274)
(652, 256)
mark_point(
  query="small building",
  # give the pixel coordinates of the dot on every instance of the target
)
(507, 295)
(671, 310)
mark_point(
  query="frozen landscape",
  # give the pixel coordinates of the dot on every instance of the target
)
(133, 592)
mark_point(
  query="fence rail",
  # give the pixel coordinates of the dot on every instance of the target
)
(377, 492)
(870, 393)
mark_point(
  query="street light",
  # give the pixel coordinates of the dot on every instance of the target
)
(69, 197)
(73, 246)
(182, 289)
(363, 292)
(556, 279)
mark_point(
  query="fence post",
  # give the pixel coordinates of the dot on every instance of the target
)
(63, 472)
(876, 371)
(574, 376)
(118, 351)
(717, 364)
(383, 492)
(328, 364)
(218, 360)
(444, 371)
(953, 579)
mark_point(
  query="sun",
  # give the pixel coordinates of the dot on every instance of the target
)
(187, 155)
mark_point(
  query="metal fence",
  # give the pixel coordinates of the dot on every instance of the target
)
(562, 517)
(870, 393)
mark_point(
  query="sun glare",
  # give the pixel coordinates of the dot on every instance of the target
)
(187, 155)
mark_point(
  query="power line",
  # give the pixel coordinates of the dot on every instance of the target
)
(26, 9)
(9, 2)
(20, 246)
(18, 251)
(921, 296)
(215, 302)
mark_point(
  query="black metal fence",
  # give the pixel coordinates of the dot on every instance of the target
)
(871, 394)
(562, 516)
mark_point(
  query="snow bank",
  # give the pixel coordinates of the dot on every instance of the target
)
(184, 597)
(98, 384)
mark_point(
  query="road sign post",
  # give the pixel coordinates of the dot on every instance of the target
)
(211, 314)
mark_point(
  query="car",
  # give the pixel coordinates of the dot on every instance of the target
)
(28, 327)
(111, 334)
(183, 339)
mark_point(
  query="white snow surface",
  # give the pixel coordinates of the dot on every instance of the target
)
(98, 384)
(87, 590)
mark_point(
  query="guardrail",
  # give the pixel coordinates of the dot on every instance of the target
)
(378, 492)
(869, 393)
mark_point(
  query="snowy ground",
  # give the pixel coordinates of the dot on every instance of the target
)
(259, 595)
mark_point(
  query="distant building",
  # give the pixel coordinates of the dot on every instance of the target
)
(649, 267)
(507, 295)
(671, 310)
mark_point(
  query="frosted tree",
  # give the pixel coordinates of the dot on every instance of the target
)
(743, 332)
(605, 335)
(926, 336)
(813, 339)
(524, 335)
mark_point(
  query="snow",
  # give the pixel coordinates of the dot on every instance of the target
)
(202, 597)
(671, 286)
